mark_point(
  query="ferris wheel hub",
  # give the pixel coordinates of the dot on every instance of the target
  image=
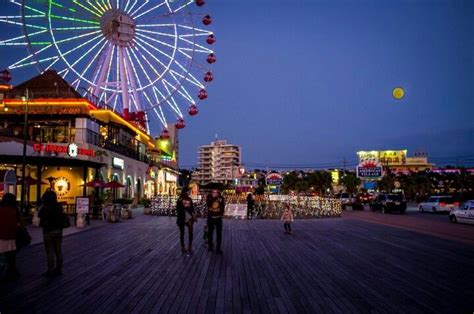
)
(118, 27)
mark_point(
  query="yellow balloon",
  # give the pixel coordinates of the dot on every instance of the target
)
(398, 93)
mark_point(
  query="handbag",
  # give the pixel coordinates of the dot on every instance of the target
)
(66, 221)
(22, 238)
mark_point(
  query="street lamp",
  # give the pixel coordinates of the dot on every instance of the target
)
(23, 166)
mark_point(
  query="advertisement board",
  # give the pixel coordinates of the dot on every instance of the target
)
(369, 170)
(82, 205)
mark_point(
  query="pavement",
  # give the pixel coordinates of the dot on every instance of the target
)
(437, 224)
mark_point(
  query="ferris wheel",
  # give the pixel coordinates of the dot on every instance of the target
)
(148, 58)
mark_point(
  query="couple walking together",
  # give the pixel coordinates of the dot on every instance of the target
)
(187, 216)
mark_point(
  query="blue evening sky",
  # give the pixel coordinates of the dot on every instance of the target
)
(309, 82)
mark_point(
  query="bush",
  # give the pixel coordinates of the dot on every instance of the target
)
(146, 202)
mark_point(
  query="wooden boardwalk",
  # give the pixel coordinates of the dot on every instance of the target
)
(339, 265)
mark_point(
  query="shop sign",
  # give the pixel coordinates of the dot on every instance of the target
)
(369, 170)
(82, 205)
(274, 179)
(72, 149)
(170, 177)
(118, 163)
(385, 157)
(62, 186)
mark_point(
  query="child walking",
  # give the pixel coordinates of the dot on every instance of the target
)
(287, 218)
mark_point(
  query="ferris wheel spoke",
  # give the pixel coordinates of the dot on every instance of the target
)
(79, 46)
(77, 37)
(34, 62)
(183, 6)
(14, 41)
(182, 90)
(149, 10)
(86, 8)
(202, 48)
(73, 19)
(153, 47)
(92, 61)
(189, 77)
(51, 64)
(160, 116)
(156, 33)
(21, 24)
(74, 28)
(153, 68)
(71, 66)
(171, 100)
(156, 40)
(27, 7)
(139, 8)
(30, 56)
(134, 76)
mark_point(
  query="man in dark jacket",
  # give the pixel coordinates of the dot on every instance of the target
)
(215, 212)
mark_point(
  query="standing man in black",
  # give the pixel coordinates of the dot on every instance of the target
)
(215, 212)
(250, 205)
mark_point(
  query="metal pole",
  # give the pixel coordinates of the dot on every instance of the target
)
(23, 165)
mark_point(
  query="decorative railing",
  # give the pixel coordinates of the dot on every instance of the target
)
(266, 206)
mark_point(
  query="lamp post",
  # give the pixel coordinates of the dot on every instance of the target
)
(23, 165)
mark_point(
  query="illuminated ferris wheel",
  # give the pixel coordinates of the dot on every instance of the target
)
(148, 57)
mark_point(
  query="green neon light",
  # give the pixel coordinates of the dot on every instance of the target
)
(40, 43)
(74, 19)
(57, 4)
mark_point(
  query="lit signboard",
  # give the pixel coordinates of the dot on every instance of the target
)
(385, 157)
(118, 163)
(274, 179)
(369, 170)
(71, 149)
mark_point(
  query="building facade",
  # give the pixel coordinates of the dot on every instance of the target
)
(219, 162)
(71, 140)
(396, 161)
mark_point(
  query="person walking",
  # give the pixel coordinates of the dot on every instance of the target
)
(52, 221)
(9, 223)
(186, 216)
(250, 205)
(287, 218)
(215, 212)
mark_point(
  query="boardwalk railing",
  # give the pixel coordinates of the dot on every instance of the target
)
(266, 206)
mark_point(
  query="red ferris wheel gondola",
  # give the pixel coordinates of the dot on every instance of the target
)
(207, 20)
(211, 58)
(202, 94)
(211, 39)
(208, 77)
(200, 3)
(180, 124)
(6, 76)
(193, 110)
(164, 135)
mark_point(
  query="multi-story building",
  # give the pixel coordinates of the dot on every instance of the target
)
(218, 162)
(69, 140)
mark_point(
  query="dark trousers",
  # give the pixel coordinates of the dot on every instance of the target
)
(249, 211)
(11, 261)
(287, 226)
(190, 233)
(215, 223)
(52, 243)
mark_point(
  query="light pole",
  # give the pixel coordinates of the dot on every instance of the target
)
(23, 165)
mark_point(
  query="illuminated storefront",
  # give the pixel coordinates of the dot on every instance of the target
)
(396, 161)
(71, 140)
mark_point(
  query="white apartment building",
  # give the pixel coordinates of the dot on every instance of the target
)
(218, 162)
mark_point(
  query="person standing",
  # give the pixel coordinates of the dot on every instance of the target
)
(250, 205)
(215, 213)
(52, 221)
(9, 222)
(186, 216)
(287, 218)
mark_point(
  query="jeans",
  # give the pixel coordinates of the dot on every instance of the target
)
(190, 233)
(287, 226)
(215, 223)
(52, 243)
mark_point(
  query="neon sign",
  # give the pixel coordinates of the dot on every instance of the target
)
(63, 149)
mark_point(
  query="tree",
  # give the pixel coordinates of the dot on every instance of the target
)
(320, 181)
(350, 182)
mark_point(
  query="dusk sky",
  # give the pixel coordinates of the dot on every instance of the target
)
(309, 82)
